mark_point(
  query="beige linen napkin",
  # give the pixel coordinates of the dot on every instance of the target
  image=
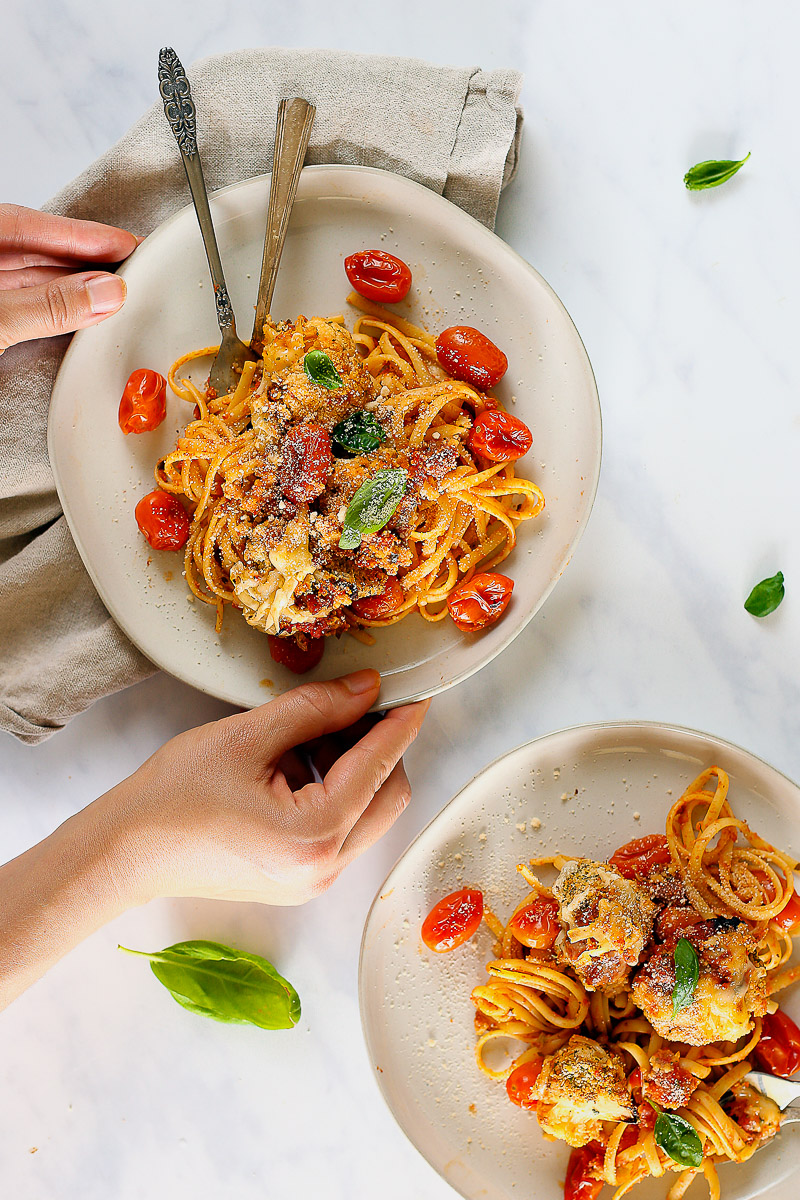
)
(454, 129)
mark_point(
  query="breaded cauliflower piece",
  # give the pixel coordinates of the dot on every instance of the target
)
(581, 1086)
(606, 922)
(730, 990)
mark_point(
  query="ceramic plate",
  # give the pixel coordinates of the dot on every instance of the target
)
(578, 791)
(463, 274)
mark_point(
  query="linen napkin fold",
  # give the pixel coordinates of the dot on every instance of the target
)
(454, 129)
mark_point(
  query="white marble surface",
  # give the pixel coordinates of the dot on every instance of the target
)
(689, 309)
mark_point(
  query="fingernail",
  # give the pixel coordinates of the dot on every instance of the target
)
(139, 239)
(362, 681)
(106, 293)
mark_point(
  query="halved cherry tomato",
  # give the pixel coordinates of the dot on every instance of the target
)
(480, 601)
(521, 1083)
(778, 1050)
(291, 654)
(144, 402)
(499, 437)
(163, 520)
(375, 608)
(639, 858)
(788, 919)
(453, 920)
(307, 462)
(378, 275)
(583, 1166)
(536, 925)
(466, 353)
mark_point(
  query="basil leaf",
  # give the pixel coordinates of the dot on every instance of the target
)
(678, 1139)
(319, 369)
(359, 432)
(225, 984)
(687, 971)
(712, 173)
(373, 505)
(766, 596)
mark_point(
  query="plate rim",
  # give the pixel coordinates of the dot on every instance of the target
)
(586, 728)
(222, 692)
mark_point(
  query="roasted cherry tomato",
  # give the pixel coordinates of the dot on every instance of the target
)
(521, 1083)
(480, 601)
(639, 858)
(307, 462)
(778, 1050)
(297, 657)
(583, 1166)
(163, 520)
(673, 921)
(144, 402)
(499, 437)
(536, 925)
(788, 919)
(466, 353)
(376, 608)
(453, 920)
(378, 276)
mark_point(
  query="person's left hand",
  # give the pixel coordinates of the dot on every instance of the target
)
(45, 286)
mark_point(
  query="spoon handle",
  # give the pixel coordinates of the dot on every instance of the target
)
(292, 134)
(180, 112)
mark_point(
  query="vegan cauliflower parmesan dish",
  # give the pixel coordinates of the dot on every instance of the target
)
(643, 990)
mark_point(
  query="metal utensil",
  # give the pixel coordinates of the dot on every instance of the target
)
(784, 1092)
(180, 112)
(292, 133)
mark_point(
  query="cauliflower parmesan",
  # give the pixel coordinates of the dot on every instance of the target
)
(606, 922)
(644, 993)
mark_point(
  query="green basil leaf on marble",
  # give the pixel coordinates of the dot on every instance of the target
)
(766, 596)
(712, 173)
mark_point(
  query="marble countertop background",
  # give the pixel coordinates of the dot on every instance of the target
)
(688, 305)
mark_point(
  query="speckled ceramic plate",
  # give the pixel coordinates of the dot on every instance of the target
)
(586, 791)
(463, 274)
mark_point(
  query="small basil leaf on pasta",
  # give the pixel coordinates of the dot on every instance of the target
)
(677, 1138)
(687, 972)
(319, 369)
(712, 173)
(373, 505)
(766, 596)
(225, 984)
(359, 432)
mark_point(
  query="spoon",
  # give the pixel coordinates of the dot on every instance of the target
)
(292, 134)
(180, 112)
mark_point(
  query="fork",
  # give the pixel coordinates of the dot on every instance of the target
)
(180, 112)
(784, 1092)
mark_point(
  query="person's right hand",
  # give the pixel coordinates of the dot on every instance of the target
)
(45, 286)
(229, 810)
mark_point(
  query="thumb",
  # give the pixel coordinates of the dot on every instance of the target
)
(312, 710)
(59, 306)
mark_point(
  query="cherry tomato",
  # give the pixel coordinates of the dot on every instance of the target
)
(778, 1050)
(536, 925)
(144, 402)
(467, 354)
(453, 920)
(378, 275)
(295, 657)
(163, 520)
(673, 921)
(521, 1083)
(788, 919)
(499, 437)
(375, 608)
(480, 601)
(584, 1164)
(307, 462)
(639, 858)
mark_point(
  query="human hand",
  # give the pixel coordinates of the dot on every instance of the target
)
(231, 810)
(45, 288)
